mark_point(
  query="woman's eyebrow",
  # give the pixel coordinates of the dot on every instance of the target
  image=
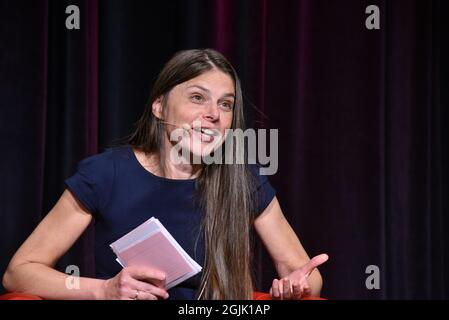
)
(226, 95)
(199, 87)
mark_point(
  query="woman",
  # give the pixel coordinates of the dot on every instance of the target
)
(209, 208)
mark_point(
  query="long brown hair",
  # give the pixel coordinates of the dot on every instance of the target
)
(225, 193)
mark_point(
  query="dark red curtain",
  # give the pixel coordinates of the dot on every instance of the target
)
(362, 118)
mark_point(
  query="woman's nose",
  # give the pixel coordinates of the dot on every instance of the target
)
(212, 113)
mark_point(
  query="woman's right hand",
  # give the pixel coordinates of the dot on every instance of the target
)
(135, 283)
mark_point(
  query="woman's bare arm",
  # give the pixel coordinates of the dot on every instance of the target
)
(283, 245)
(31, 268)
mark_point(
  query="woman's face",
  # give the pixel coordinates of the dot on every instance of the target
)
(206, 104)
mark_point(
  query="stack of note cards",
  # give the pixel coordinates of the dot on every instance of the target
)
(151, 245)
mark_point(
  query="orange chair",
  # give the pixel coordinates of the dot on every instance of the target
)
(266, 296)
(24, 296)
(19, 296)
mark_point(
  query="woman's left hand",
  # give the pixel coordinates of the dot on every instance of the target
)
(295, 285)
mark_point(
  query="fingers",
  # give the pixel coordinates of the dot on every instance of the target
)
(306, 292)
(137, 284)
(297, 291)
(275, 290)
(143, 295)
(285, 289)
(134, 294)
(281, 289)
(315, 262)
(147, 290)
(146, 274)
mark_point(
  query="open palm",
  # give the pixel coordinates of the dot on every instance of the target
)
(295, 285)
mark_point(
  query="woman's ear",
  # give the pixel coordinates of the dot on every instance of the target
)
(157, 108)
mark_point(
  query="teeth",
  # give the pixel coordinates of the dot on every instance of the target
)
(204, 131)
(208, 131)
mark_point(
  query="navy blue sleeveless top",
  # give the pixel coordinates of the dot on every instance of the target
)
(121, 194)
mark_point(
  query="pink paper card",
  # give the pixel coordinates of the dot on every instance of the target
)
(157, 252)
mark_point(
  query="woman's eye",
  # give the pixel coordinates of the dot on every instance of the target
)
(227, 105)
(196, 98)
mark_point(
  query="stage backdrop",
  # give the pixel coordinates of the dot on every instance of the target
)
(362, 117)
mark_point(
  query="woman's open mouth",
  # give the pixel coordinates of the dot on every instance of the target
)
(205, 135)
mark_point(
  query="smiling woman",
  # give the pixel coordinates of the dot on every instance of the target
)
(210, 209)
(205, 103)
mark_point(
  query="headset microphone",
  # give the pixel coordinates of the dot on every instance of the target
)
(184, 126)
